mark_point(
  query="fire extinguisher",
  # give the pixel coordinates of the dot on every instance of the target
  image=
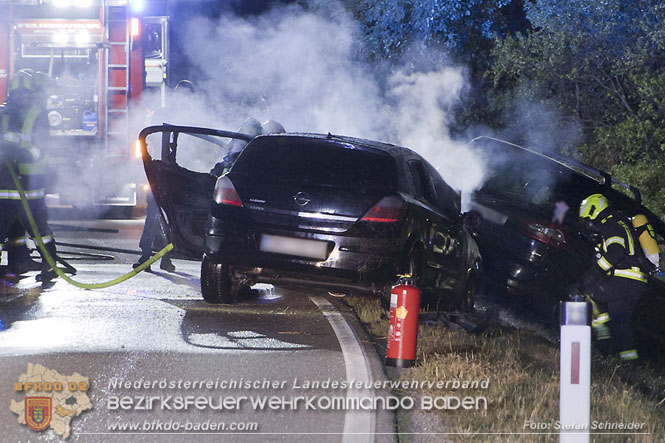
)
(403, 325)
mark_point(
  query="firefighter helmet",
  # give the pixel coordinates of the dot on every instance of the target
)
(592, 206)
(252, 127)
(272, 127)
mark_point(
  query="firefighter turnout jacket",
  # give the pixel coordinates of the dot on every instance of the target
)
(17, 135)
(20, 129)
(617, 254)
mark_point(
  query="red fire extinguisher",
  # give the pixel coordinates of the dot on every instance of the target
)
(403, 325)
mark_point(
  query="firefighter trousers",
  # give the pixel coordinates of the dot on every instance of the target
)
(152, 237)
(18, 254)
(12, 210)
(618, 297)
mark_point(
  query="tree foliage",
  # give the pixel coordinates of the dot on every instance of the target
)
(597, 67)
(463, 29)
(600, 63)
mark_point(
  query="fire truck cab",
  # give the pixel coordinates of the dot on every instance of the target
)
(108, 66)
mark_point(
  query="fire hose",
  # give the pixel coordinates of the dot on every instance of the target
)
(51, 260)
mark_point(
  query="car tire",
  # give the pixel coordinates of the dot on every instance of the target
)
(216, 284)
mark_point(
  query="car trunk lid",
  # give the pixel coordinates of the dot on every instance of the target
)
(311, 184)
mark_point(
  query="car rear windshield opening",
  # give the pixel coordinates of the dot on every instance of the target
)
(317, 162)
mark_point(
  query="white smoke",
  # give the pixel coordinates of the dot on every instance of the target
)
(541, 126)
(303, 69)
(422, 117)
(291, 65)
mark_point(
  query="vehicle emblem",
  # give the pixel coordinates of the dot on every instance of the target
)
(301, 199)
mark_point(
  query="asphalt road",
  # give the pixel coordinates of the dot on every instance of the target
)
(156, 331)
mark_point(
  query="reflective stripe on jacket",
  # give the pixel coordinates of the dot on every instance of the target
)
(24, 138)
(12, 194)
(616, 254)
(31, 164)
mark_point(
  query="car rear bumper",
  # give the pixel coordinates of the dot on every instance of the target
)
(350, 261)
(538, 272)
(521, 269)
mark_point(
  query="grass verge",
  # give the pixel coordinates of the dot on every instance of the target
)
(521, 370)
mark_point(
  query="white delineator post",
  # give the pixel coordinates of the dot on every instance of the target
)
(575, 382)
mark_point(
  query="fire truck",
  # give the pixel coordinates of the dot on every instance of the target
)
(108, 66)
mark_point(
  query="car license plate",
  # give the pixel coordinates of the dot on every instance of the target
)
(294, 246)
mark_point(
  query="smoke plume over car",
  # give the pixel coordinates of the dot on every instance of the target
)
(305, 68)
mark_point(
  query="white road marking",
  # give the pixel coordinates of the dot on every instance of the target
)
(359, 425)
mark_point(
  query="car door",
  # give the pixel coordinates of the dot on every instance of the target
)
(178, 161)
(436, 237)
(454, 249)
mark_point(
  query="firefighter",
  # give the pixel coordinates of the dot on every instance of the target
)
(252, 127)
(616, 280)
(23, 125)
(153, 236)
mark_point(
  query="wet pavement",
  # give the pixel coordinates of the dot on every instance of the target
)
(156, 329)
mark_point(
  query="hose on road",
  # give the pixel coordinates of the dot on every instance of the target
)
(100, 248)
(51, 261)
(76, 256)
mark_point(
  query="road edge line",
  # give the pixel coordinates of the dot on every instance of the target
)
(358, 424)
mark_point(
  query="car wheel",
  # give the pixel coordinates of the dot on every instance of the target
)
(469, 295)
(216, 284)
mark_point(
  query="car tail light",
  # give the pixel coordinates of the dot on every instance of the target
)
(548, 233)
(225, 193)
(387, 210)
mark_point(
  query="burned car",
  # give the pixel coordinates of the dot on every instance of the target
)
(310, 209)
(533, 243)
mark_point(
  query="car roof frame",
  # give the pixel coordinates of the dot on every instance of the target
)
(593, 173)
(192, 130)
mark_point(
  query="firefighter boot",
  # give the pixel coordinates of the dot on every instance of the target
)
(144, 258)
(166, 264)
(630, 368)
(19, 260)
(48, 273)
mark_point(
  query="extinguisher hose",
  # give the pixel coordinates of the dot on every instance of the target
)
(51, 260)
